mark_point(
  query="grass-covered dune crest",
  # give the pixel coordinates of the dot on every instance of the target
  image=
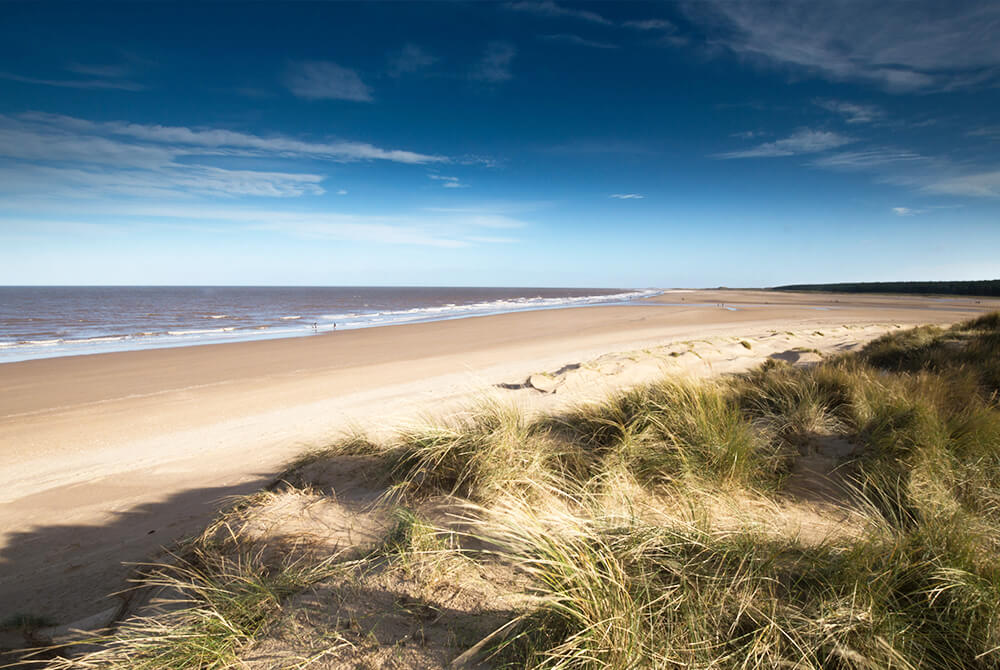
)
(841, 515)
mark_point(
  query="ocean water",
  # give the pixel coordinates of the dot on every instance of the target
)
(43, 322)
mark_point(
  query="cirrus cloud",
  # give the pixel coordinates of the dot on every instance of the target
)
(323, 80)
(899, 46)
(46, 153)
(802, 141)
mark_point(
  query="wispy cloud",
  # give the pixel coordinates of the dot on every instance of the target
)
(45, 153)
(627, 196)
(851, 111)
(322, 80)
(164, 181)
(928, 174)
(991, 132)
(578, 41)
(664, 30)
(106, 84)
(552, 9)
(495, 65)
(980, 185)
(44, 127)
(448, 182)
(651, 24)
(900, 46)
(105, 71)
(448, 230)
(411, 58)
(906, 211)
(802, 141)
(868, 159)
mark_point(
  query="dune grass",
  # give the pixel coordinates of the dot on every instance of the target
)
(917, 586)
(638, 595)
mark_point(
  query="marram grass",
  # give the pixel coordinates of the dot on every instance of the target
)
(634, 595)
(217, 606)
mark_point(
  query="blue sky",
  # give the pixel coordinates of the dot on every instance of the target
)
(525, 143)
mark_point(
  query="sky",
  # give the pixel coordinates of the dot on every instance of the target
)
(523, 143)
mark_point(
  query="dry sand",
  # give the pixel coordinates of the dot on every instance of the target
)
(108, 457)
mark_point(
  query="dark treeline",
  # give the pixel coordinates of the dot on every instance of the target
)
(987, 287)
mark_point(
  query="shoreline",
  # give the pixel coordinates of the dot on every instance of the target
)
(655, 297)
(110, 456)
(296, 326)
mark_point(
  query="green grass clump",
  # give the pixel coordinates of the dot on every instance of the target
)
(669, 431)
(480, 457)
(796, 403)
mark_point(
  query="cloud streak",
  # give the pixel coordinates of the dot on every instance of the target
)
(852, 112)
(550, 9)
(47, 153)
(936, 175)
(214, 140)
(868, 159)
(450, 230)
(652, 25)
(978, 185)
(554, 10)
(98, 84)
(578, 41)
(802, 141)
(990, 132)
(448, 182)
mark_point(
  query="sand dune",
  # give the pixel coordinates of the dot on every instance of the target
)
(108, 457)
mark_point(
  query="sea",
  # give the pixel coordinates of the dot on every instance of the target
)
(50, 321)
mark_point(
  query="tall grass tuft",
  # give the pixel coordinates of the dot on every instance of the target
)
(672, 431)
(481, 456)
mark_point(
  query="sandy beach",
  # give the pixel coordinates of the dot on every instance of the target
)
(109, 457)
